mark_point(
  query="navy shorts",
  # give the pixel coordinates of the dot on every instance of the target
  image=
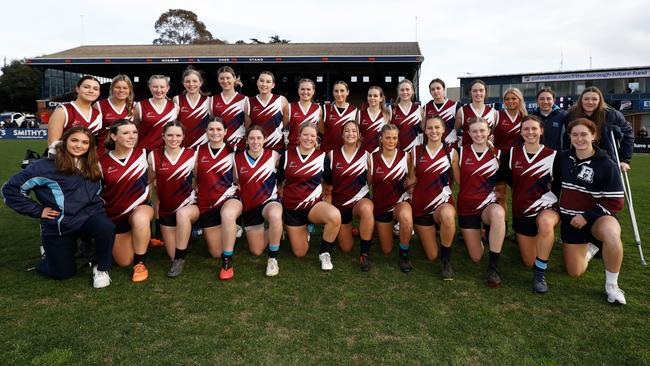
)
(254, 217)
(525, 225)
(346, 215)
(168, 220)
(424, 220)
(385, 217)
(123, 226)
(211, 218)
(296, 217)
(469, 221)
(571, 235)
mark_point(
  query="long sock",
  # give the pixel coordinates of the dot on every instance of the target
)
(137, 258)
(273, 250)
(445, 253)
(540, 264)
(156, 233)
(180, 253)
(403, 249)
(325, 247)
(611, 278)
(494, 260)
(227, 254)
(365, 246)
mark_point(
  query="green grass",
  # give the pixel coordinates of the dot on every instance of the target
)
(304, 316)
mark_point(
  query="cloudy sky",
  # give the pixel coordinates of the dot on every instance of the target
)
(457, 38)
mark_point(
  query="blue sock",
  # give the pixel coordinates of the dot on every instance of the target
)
(227, 254)
(540, 264)
(273, 250)
(403, 249)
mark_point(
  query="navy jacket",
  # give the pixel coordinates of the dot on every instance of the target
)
(615, 121)
(74, 196)
(555, 124)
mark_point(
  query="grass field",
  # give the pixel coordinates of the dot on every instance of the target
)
(304, 316)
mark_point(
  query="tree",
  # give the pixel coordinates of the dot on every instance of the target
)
(277, 39)
(20, 86)
(179, 26)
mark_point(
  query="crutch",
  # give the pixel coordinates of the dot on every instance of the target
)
(628, 198)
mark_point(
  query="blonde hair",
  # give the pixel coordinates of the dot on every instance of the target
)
(517, 93)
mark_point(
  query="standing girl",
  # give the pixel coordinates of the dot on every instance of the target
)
(407, 116)
(443, 107)
(335, 115)
(387, 172)
(218, 196)
(373, 118)
(153, 113)
(268, 111)
(434, 169)
(170, 167)
(229, 105)
(255, 170)
(126, 196)
(193, 108)
(118, 105)
(346, 171)
(476, 108)
(477, 198)
(304, 110)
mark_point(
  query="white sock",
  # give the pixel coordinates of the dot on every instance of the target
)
(611, 278)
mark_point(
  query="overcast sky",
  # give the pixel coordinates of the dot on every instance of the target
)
(457, 38)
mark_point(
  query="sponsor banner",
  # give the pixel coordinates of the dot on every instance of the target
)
(23, 134)
(640, 73)
(644, 104)
(642, 145)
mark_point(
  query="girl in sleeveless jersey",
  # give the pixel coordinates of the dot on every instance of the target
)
(268, 111)
(304, 110)
(229, 105)
(433, 170)
(255, 170)
(126, 196)
(335, 115)
(171, 169)
(301, 170)
(476, 108)
(346, 173)
(78, 113)
(218, 196)
(477, 200)
(373, 118)
(591, 195)
(446, 108)
(387, 172)
(407, 116)
(193, 108)
(153, 113)
(528, 169)
(118, 105)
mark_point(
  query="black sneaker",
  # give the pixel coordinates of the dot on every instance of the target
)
(493, 278)
(405, 264)
(364, 262)
(447, 271)
(539, 282)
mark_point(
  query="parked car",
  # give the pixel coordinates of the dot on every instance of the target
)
(18, 120)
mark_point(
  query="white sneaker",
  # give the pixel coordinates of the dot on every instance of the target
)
(615, 294)
(591, 251)
(272, 268)
(325, 262)
(101, 279)
(240, 231)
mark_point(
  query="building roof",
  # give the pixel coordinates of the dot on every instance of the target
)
(288, 52)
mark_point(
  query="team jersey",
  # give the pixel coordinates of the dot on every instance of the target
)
(591, 187)
(126, 184)
(531, 180)
(152, 121)
(467, 111)
(173, 179)
(434, 173)
(298, 115)
(370, 127)
(388, 178)
(333, 122)
(268, 116)
(477, 180)
(74, 117)
(232, 113)
(257, 182)
(214, 177)
(348, 177)
(408, 122)
(195, 118)
(507, 130)
(302, 185)
(110, 114)
(447, 112)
